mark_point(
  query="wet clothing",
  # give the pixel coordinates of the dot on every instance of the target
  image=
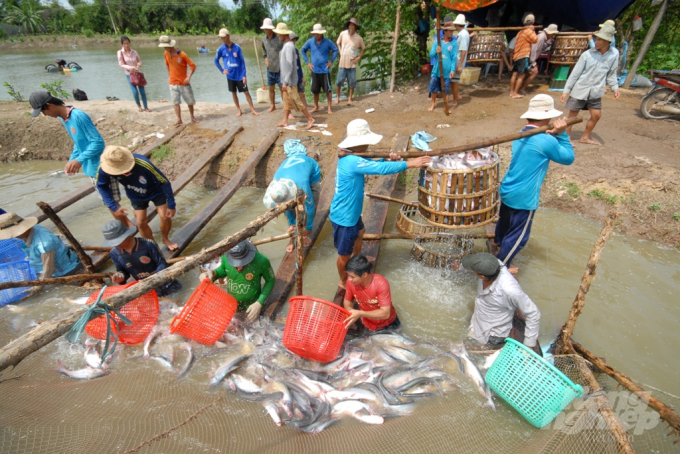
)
(449, 56)
(177, 67)
(88, 144)
(144, 183)
(246, 285)
(320, 54)
(304, 172)
(233, 60)
(591, 73)
(372, 298)
(47, 254)
(270, 50)
(512, 232)
(348, 201)
(144, 260)
(345, 237)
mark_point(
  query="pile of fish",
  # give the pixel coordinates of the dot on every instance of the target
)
(375, 377)
(465, 160)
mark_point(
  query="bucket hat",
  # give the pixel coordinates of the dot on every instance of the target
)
(38, 100)
(223, 33)
(115, 233)
(460, 20)
(529, 19)
(282, 29)
(116, 160)
(608, 22)
(241, 254)
(12, 225)
(358, 133)
(165, 41)
(541, 107)
(293, 36)
(267, 24)
(551, 29)
(279, 191)
(482, 263)
(318, 29)
(607, 33)
(353, 21)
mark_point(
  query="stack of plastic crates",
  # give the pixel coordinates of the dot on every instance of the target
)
(14, 266)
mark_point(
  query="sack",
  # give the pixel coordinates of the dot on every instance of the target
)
(137, 79)
(79, 95)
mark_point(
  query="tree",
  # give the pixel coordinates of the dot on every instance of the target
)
(249, 16)
(26, 15)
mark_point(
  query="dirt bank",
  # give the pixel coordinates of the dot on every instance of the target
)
(635, 171)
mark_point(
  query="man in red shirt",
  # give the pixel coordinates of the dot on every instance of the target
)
(372, 293)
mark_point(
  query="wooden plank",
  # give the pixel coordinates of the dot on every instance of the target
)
(201, 219)
(72, 197)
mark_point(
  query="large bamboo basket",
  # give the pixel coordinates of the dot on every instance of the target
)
(485, 47)
(567, 49)
(453, 250)
(410, 221)
(461, 199)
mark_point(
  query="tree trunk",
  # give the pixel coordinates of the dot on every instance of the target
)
(394, 49)
(646, 43)
(54, 280)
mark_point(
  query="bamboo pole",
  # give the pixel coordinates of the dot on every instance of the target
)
(441, 67)
(97, 248)
(300, 221)
(54, 217)
(501, 29)
(257, 57)
(563, 344)
(391, 199)
(646, 43)
(54, 280)
(18, 349)
(394, 49)
(433, 236)
(467, 147)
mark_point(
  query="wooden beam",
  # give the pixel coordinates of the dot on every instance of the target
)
(300, 222)
(409, 236)
(54, 280)
(187, 233)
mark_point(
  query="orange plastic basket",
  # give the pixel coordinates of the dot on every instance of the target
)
(315, 328)
(206, 315)
(143, 312)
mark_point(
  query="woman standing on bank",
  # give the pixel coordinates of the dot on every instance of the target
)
(129, 60)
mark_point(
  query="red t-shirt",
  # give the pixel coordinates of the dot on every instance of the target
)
(372, 298)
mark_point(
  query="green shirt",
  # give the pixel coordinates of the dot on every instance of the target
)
(245, 285)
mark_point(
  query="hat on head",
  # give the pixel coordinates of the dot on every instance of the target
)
(165, 41)
(279, 191)
(448, 26)
(318, 29)
(267, 24)
(115, 233)
(38, 99)
(282, 29)
(607, 33)
(116, 160)
(448, 19)
(609, 22)
(293, 36)
(223, 33)
(529, 19)
(482, 263)
(358, 133)
(241, 254)
(12, 225)
(353, 21)
(551, 29)
(460, 20)
(541, 107)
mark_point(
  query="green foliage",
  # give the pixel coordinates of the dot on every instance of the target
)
(603, 195)
(654, 207)
(87, 32)
(676, 216)
(573, 190)
(162, 152)
(55, 89)
(249, 16)
(16, 96)
(26, 15)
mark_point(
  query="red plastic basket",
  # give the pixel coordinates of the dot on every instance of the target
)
(315, 328)
(426, 69)
(206, 315)
(143, 312)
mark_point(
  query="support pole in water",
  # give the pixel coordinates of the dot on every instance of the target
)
(300, 221)
(54, 280)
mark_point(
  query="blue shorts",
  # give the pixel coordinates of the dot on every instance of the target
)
(435, 85)
(345, 237)
(347, 73)
(273, 79)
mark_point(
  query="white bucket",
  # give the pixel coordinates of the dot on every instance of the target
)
(262, 95)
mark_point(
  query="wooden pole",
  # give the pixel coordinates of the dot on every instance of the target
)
(391, 199)
(441, 66)
(257, 57)
(12, 353)
(54, 280)
(563, 344)
(501, 29)
(84, 258)
(460, 148)
(646, 43)
(97, 248)
(394, 49)
(300, 224)
(434, 236)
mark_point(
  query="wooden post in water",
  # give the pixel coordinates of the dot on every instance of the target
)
(54, 280)
(300, 221)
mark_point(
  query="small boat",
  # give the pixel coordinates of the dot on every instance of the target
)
(203, 50)
(62, 66)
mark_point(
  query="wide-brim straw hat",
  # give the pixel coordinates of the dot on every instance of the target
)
(551, 29)
(460, 20)
(241, 254)
(279, 191)
(115, 233)
(12, 225)
(541, 107)
(116, 160)
(165, 41)
(223, 33)
(282, 29)
(267, 24)
(529, 19)
(353, 21)
(609, 23)
(318, 29)
(358, 133)
(607, 33)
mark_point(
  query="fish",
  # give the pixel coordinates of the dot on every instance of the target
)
(92, 358)
(80, 301)
(403, 355)
(490, 360)
(417, 382)
(244, 384)
(273, 412)
(392, 339)
(87, 373)
(190, 360)
(352, 394)
(473, 373)
(357, 409)
(287, 399)
(164, 362)
(155, 331)
(228, 366)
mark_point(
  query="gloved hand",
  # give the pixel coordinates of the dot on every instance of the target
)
(253, 311)
(206, 275)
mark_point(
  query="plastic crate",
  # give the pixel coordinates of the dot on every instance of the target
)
(470, 75)
(10, 251)
(561, 73)
(20, 270)
(206, 315)
(557, 85)
(532, 386)
(315, 328)
(142, 312)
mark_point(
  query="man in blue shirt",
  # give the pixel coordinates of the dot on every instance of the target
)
(448, 48)
(521, 187)
(297, 171)
(235, 69)
(320, 65)
(348, 201)
(143, 183)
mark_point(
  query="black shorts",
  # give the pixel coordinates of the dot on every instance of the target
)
(321, 82)
(583, 104)
(521, 66)
(237, 84)
(143, 205)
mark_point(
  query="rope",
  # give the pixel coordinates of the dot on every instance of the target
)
(95, 310)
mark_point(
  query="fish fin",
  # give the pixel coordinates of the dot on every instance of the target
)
(490, 405)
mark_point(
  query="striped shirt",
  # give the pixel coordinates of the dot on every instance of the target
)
(525, 39)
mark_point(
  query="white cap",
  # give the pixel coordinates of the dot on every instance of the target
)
(460, 20)
(223, 32)
(358, 133)
(541, 107)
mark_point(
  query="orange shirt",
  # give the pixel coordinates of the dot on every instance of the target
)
(177, 67)
(525, 39)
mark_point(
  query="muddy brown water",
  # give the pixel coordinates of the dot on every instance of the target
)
(630, 318)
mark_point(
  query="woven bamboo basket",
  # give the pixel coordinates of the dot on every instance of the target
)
(410, 221)
(567, 49)
(485, 48)
(461, 199)
(448, 250)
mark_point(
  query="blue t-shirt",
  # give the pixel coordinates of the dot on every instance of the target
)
(348, 201)
(304, 171)
(144, 260)
(143, 183)
(449, 55)
(45, 241)
(233, 60)
(531, 156)
(88, 144)
(320, 54)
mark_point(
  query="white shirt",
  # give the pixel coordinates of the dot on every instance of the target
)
(592, 72)
(463, 45)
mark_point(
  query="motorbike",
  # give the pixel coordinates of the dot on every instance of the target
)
(663, 99)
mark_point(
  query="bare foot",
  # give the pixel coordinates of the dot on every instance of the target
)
(272, 108)
(170, 245)
(337, 102)
(291, 117)
(329, 110)
(290, 246)
(589, 141)
(177, 123)
(310, 123)
(517, 96)
(281, 125)
(315, 109)
(512, 269)
(460, 97)
(430, 109)
(195, 120)
(350, 102)
(239, 113)
(147, 110)
(254, 113)
(454, 105)
(140, 109)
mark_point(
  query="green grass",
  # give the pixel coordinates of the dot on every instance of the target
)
(602, 195)
(654, 207)
(161, 153)
(573, 190)
(676, 216)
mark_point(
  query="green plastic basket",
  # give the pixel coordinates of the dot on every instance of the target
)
(536, 389)
(561, 73)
